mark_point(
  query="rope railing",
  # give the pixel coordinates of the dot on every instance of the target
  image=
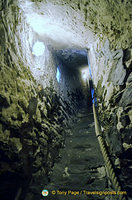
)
(108, 164)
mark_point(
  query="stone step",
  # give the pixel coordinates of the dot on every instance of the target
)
(81, 165)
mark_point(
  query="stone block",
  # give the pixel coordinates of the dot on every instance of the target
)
(32, 106)
(126, 99)
(118, 73)
(4, 101)
(4, 135)
(129, 79)
(128, 58)
(16, 145)
(130, 115)
(43, 141)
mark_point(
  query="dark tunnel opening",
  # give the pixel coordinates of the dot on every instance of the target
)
(73, 68)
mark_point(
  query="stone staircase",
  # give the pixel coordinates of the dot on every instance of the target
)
(80, 167)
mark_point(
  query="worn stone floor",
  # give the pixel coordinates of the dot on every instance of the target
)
(80, 167)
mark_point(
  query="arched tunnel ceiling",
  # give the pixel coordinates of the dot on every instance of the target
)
(57, 24)
(77, 24)
(69, 25)
(31, 120)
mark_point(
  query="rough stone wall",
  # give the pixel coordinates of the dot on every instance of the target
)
(111, 65)
(30, 124)
(43, 68)
(105, 18)
(110, 19)
(32, 118)
(112, 78)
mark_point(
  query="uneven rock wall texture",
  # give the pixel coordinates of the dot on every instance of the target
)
(111, 19)
(106, 19)
(112, 77)
(32, 118)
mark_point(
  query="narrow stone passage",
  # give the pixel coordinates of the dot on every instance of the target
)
(81, 165)
(53, 55)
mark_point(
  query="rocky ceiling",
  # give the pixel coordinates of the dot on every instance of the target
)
(58, 25)
(66, 24)
(104, 27)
